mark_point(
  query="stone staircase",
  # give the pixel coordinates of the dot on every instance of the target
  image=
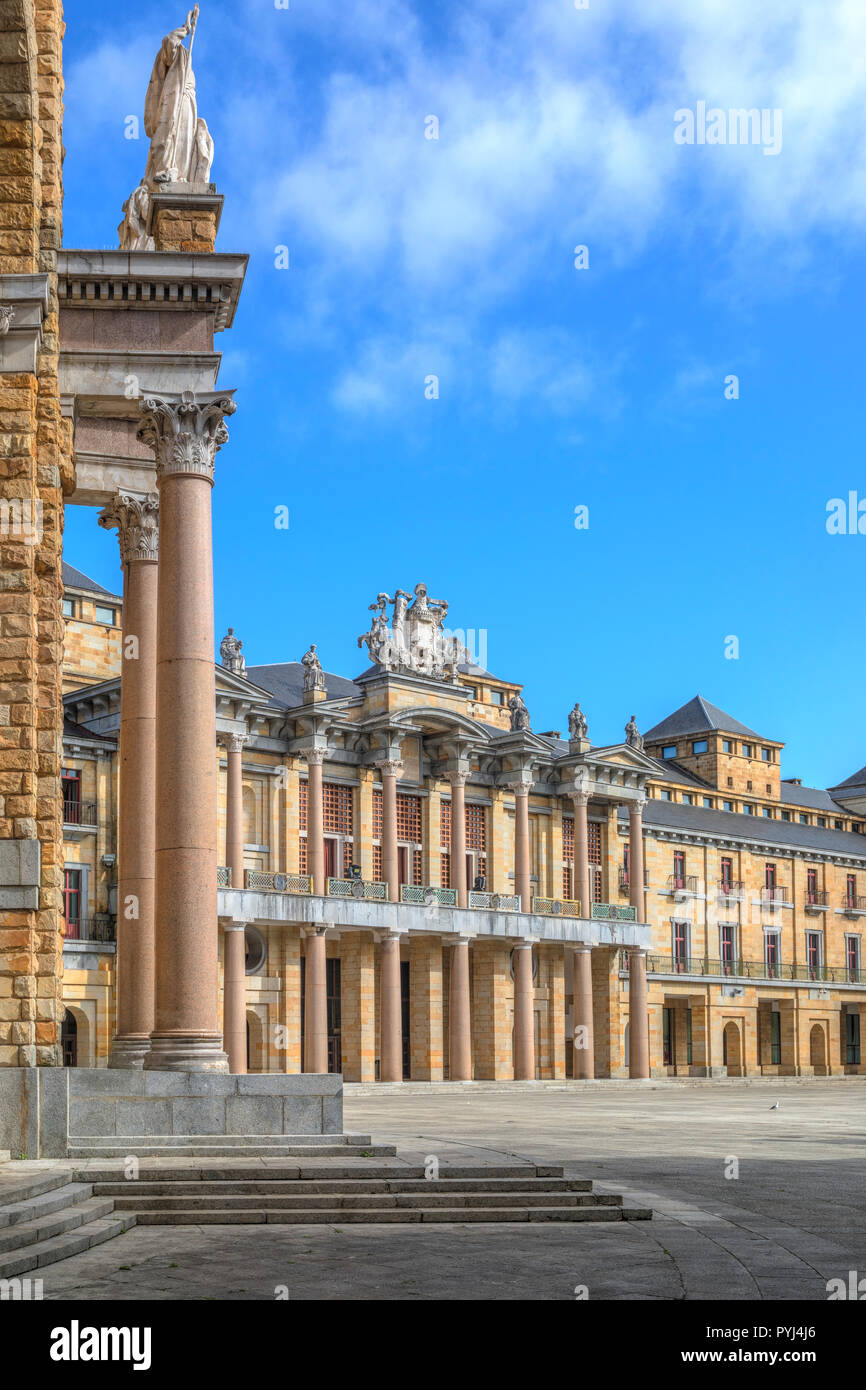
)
(229, 1146)
(363, 1191)
(46, 1216)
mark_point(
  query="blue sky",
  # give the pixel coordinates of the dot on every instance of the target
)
(558, 388)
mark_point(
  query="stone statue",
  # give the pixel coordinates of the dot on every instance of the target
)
(314, 676)
(632, 736)
(416, 641)
(577, 724)
(230, 654)
(7, 318)
(519, 715)
(177, 145)
(133, 229)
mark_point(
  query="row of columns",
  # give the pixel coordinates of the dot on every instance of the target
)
(167, 961)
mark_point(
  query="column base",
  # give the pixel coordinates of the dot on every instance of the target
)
(129, 1052)
(186, 1052)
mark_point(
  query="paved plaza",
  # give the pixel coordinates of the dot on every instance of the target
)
(793, 1218)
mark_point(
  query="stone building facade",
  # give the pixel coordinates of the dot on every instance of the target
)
(748, 921)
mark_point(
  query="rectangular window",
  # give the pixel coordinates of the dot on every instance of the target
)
(669, 751)
(852, 1039)
(813, 954)
(72, 901)
(838, 825)
(708, 802)
(851, 890)
(727, 805)
(803, 818)
(68, 608)
(699, 746)
(822, 821)
(727, 941)
(775, 1039)
(667, 1037)
(688, 799)
(497, 697)
(769, 876)
(747, 809)
(767, 811)
(727, 874)
(105, 615)
(852, 958)
(665, 796)
(767, 755)
(680, 939)
(70, 783)
(771, 954)
(746, 749)
(811, 885)
(689, 1049)
(786, 815)
(679, 869)
(727, 745)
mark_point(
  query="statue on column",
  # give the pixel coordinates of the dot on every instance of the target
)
(632, 735)
(577, 725)
(230, 654)
(133, 229)
(519, 715)
(314, 676)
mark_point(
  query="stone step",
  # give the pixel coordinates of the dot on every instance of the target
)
(17, 1186)
(273, 1171)
(31, 1207)
(229, 1141)
(390, 1215)
(165, 1186)
(339, 1202)
(56, 1223)
(208, 1147)
(60, 1247)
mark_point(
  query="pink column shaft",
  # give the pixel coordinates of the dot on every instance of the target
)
(390, 860)
(582, 884)
(459, 1023)
(522, 877)
(235, 814)
(636, 893)
(136, 821)
(315, 827)
(584, 1041)
(391, 1012)
(458, 840)
(186, 1034)
(235, 998)
(315, 1004)
(524, 1019)
(638, 1017)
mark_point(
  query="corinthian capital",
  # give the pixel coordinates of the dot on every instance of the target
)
(235, 743)
(389, 767)
(136, 516)
(185, 431)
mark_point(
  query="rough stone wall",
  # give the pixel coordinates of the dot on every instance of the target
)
(35, 466)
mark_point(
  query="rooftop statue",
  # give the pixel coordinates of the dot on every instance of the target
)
(632, 735)
(230, 654)
(519, 715)
(416, 642)
(577, 725)
(314, 676)
(181, 148)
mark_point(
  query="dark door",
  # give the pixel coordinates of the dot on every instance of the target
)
(335, 1059)
(69, 1039)
(407, 1020)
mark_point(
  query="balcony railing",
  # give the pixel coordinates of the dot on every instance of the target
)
(495, 902)
(556, 907)
(100, 929)
(683, 885)
(224, 876)
(731, 889)
(428, 897)
(775, 897)
(854, 904)
(624, 879)
(260, 882)
(753, 969)
(357, 888)
(817, 900)
(613, 912)
(77, 812)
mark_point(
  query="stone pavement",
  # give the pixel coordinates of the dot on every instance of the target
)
(793, 1218)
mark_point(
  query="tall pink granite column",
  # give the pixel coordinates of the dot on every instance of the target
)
(391, 1010)
(390, 769)
(315, 819)
(315, 1001)
(584, 1042)
(234, 938)
(638, 1016)
(185, 433)
(458, 837)
(136, 516)
(522, 871)
(459, 1019)
(582, 882)
(524, 1013)
(636, 892)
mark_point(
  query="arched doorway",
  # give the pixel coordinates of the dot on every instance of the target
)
(818, 1049)
(69, 1039)
(732, 1051)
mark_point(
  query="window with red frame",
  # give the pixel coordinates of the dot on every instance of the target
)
(71, 788)
(727, 875)
(681, 947)
(72, 901)
(851, 890)
(811, 885)
(727, 946)
(771, 953)
(769, 875)
(679, 869)
(813, 954)
(852, 957)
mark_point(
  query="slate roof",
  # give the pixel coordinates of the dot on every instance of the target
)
(71, 729)
(285, 681)
(674, 815)
(858, 779)
(814, 797)
(76, 579)
(697, 716)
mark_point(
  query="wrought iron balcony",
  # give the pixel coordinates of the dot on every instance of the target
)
(259, 882)
(427, 897)
(775, 897)
(853, 905)
(682, 886)
(625, 879)
(96, 929)
(556, 907)
(731, 890)
(752, 969)
(817, 900)
(79, 813)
